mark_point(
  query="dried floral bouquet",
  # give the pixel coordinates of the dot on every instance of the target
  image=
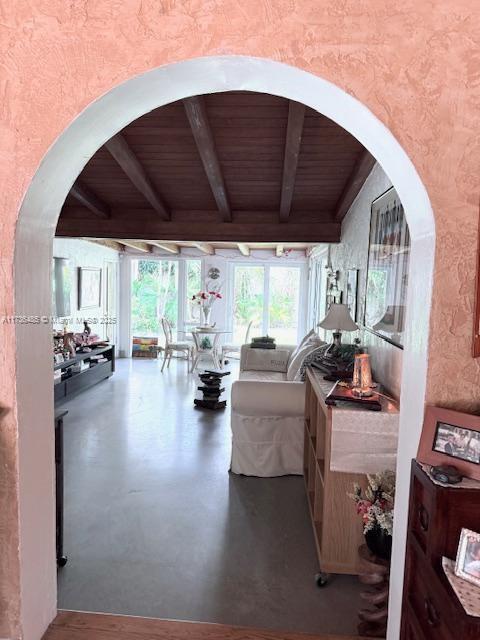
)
(376, 505)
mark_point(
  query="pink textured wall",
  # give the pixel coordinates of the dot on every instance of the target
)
(416, 67)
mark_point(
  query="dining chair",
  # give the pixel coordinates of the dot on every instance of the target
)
(230, 349)
(171, 346)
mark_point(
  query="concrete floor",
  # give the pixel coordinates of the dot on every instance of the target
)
(156, 526)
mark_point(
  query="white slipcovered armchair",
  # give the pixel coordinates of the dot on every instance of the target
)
(267, 415)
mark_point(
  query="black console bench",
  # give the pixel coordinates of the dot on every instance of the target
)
(81, 380)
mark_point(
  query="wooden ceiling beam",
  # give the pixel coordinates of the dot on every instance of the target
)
(355, 182)
(296, 115)
(135, 244)
(169, 247)
(279, 250)
(243, 248)
(206, 248)
(248, 231)
(128, 161)
(111, 244)
(197, 116)
(85, 196)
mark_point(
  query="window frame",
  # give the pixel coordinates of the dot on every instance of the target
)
(182, 323)
(267, 266)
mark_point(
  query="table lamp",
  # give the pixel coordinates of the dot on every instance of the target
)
(338, 319)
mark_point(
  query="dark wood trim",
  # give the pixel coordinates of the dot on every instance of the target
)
(296, 115)
(196, 111)
(186, 216)
(153, 229)
(85, 196)
(128, 161)
(77, 625)
(355, 182)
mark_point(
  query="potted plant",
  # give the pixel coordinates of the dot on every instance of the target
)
(375, 507)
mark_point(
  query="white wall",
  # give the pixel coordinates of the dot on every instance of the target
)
(352, 253)
(81, 253)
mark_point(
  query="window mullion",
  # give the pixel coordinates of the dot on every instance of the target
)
(266, 299)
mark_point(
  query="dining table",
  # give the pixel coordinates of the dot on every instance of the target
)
(198, 334)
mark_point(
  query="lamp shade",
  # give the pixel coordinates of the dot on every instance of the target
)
(338, 318)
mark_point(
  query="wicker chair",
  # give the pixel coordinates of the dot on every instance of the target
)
(171, 346)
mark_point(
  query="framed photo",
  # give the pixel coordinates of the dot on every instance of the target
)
(352, 286)
(451, 437)
(62, 282)
(387, 270)
(89, 287)
(468, 557)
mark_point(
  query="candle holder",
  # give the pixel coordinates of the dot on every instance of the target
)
(362, 376)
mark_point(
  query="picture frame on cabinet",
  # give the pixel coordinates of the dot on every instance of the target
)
(453, 438)
(467, 565)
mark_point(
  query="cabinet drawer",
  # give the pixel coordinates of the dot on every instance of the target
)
(410, 627)
(421, 513)
(425, 602)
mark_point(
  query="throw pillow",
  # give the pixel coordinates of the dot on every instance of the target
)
(267, 359)
(315, 355)
(309, 335)
(294, 363)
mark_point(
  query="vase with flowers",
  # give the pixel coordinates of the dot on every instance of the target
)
(205, 300)
(375, 506)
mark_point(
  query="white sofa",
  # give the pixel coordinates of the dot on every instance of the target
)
(267, 415)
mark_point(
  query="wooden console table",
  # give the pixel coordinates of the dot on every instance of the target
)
(341, 445)
(82, 380)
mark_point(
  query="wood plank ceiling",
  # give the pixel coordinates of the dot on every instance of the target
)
(240, 167)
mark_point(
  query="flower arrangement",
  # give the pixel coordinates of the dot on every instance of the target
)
(376, 505)
(205, 300)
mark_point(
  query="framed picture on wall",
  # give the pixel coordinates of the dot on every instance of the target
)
(89, 287)
(387, 270)
(352, 286)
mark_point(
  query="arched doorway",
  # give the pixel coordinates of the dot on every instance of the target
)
(35, 229)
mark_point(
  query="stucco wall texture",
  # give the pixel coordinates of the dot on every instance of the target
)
(416, 65)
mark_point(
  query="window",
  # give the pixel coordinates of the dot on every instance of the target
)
(270, 297)
(193, 284)
(248, 300)
(284, 304)
(154, 295)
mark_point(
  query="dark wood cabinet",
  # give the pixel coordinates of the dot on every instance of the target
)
(431, 610)
(59, 416)
(82, 380)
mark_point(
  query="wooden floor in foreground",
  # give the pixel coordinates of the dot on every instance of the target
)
(74, 625)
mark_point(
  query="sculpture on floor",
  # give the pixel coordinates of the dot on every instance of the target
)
(211, 390)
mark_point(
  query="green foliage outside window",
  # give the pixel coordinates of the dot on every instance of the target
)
(154, 294)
